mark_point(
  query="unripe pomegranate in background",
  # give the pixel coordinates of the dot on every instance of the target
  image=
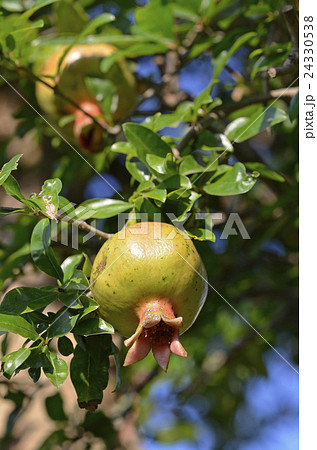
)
(150, 283)
(80, 62)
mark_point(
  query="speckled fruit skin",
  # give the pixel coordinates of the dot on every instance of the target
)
(145, 262)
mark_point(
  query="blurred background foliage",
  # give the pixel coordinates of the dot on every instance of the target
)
(201, 71)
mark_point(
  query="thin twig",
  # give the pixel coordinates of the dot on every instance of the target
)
(84, 226)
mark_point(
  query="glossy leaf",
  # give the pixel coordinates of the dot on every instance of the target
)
(58, 371)
(208, 141)
(92, 326)
(175, 182)
(234, 181)
(63, 323)
(124, 147)
(184, 112)
(156, 194)
(145, 141)
(65, 346)
(87, 267)
(8, 167)
(196, 163)
(71, 299)
(12, 188)
(17, 325)
(26, 299)
(294, 107)
(102, 208)
(201, 234)
(246, 127)
(41, 253)
(89, 371)
(138, 170)
(265, 171)
(69, 265)
(13, 361)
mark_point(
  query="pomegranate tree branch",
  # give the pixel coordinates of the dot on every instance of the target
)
(82, 225)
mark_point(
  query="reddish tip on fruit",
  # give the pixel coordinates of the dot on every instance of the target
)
(158, 330)
(88, 133)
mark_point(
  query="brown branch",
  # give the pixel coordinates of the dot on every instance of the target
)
(261, 98)
(81, 224)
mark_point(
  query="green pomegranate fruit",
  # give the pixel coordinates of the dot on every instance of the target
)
(82, 62)
(150, 284)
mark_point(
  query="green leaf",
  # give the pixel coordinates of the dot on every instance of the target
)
(89, 305)
(78, 281)
(55, 408)
(234, 181)
(293, 107)
(4, 210)
(12, 188)
(93, 326)
(8, 167)
(87, 267)
(104, 92)
(89, 370)
(223, 58)
(116, 354)
(65, 346)
(41, 253)
(49, 195)
(184, 112)
(145, 141)
(17, 325)
(58, 371)
(184, 206)
(69, 265)
(101, 208)
(156, 19)
(138, 170)
(201, 234)
(13, 361)
(156, 162)
(175, 182)
(71, 299)
(63, 323)
(208, 141)
(197, 163)
(26, 299)
(38, 4)
(156, 194)
(246, 127)
(124, 147)
(265, 171)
